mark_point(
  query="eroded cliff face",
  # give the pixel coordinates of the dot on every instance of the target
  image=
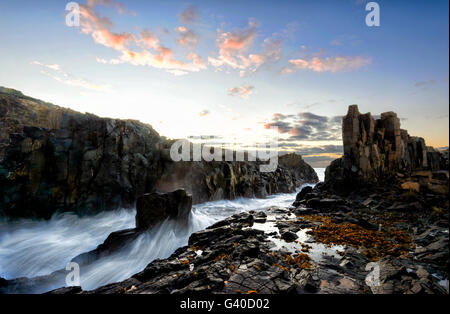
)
(377, 150)
(210, 181)
(55, 159)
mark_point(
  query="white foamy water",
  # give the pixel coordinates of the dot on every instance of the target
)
(36, 248)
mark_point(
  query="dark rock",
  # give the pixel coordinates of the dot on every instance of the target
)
(303, 172)
(288, 236)
(54, 159)
(376, 151)
(153, 208)
(113, 243)
(260, 217)
(301, 195)
(66, 290)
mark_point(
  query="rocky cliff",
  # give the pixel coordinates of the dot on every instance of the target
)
(208, 181)
(55, 159)
(378, 150)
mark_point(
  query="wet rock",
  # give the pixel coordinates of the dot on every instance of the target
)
(153, 208)
(66, 290)
(260, 217)
(113, 243)
(398, 278)
(288, 236)
(301, 195)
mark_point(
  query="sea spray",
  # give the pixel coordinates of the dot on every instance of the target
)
(36, 248)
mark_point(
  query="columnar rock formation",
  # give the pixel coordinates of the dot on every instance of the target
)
(376, 150)
(55, 159)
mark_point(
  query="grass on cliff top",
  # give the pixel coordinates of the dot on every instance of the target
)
(19, 94)
(10, 92)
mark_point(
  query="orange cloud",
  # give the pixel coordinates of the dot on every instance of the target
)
(161, 57)
(99, 28)
(234, 50)
(232, 47)
(112, 40)
(148, 40)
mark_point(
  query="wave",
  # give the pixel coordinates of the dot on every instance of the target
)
(37, 248)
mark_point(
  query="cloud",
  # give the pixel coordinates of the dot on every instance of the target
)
(54, 67)
(109, 3)
(330, 64)
(203, 113)
(59, 75)
(319, 161)
(152, 53)
(425, 84)
(318, 62)
(306, 126)
(99, 27)
(233, 46)
(242, 91)
(234, 50)
(319, 156)
(163, 59)
(346, 40)
(189, 15)
(148, 40)
(187, 37)
(283, 127)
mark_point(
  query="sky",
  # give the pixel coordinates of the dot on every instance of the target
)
(227, 71)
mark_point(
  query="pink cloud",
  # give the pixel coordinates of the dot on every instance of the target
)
(148, 40)
(233, 46)
(242, 91)
(153, 54)
(99, 28)
(112, 40)
(234, 50)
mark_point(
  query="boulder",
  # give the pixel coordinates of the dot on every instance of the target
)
(288, 236)
(113, 243)
(301, 195)
(153, 208)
